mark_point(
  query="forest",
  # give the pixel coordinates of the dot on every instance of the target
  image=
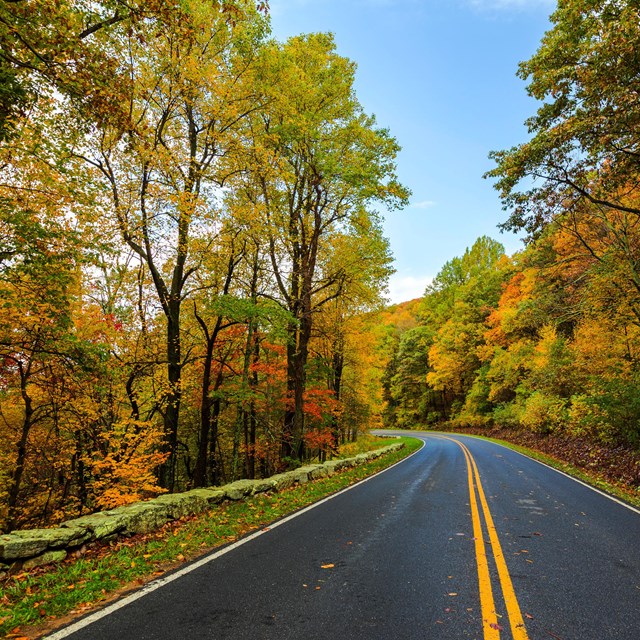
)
(193, 268)
(189, 237)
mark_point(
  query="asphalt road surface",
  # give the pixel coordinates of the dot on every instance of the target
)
(465, 539)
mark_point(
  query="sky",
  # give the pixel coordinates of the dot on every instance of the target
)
(441, 76)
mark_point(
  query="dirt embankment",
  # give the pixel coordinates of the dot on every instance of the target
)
(618, 465)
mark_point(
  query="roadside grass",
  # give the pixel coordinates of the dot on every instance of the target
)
(365, 442)
(31, 603)
(621, 491)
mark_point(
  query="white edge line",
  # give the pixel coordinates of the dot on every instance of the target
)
(544, 464)
(161, 582)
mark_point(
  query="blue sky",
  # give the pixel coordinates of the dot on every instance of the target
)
(440, 74)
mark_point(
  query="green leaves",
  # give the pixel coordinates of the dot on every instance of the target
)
(585, 136)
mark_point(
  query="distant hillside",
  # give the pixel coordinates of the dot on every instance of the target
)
(402, 316)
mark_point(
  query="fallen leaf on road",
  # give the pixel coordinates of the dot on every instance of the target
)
(496, 626)
(453, 593)
(528, 615)
(328, 566)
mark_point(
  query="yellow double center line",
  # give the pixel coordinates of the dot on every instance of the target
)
(487, 604)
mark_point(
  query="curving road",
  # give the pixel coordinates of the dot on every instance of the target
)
(465, 539)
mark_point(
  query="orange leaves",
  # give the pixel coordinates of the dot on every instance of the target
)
(126, 471)
(319, 403)
(320, 439)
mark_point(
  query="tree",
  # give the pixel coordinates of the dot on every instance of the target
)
(361, 253)
(318, 161)
(458, 303)
(161, 164)
(585, 137)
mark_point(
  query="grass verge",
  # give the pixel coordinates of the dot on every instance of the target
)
(34, 603)
(620, 491)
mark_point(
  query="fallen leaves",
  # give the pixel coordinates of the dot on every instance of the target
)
(617, 465)
(327, 566)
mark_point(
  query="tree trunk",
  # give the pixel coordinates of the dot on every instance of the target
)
(206, 404)
(337, 367)
(173, 398)
(215, 472)
(21, 453)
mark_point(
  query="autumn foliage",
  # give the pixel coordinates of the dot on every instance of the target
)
(187, 232)
(546, 342)
(543, 343)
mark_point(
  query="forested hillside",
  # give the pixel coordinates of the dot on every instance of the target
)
(188, 236)
(547, 341)
(543, 341)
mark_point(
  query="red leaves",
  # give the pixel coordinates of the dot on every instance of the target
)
(321, 439)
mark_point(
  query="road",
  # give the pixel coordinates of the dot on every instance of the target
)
(465, 539)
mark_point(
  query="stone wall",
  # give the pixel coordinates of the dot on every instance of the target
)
(34, 547)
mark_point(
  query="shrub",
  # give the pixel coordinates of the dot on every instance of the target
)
(544, 413)
(508, 414)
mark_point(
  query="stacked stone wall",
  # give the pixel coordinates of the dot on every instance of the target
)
(23, 550)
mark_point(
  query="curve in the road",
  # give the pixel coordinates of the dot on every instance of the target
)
(396, 558)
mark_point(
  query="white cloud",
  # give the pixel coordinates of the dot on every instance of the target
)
(403, 288)
(423, 204)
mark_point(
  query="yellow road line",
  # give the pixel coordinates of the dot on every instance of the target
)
(491, 629)
(516, 621)
(487, 603)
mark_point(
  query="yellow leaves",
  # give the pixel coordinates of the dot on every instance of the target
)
(127, 471)
(327, 566)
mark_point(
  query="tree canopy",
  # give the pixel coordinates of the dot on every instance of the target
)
(188, 235)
